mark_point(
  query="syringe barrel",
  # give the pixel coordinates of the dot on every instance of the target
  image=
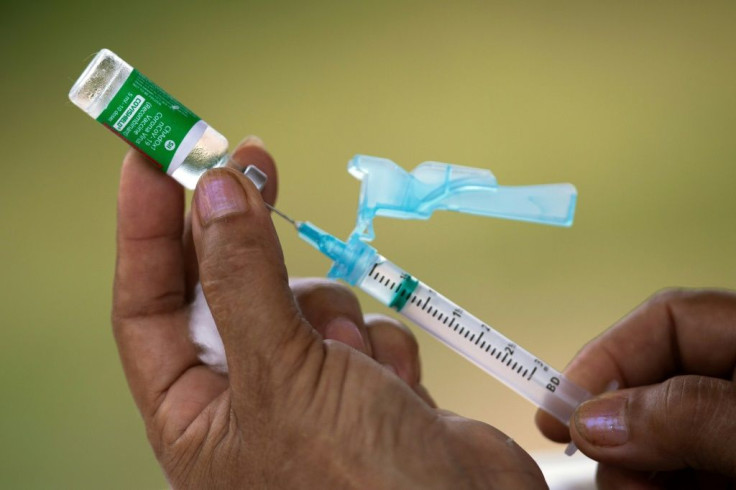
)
(473, 339)
(360, 265)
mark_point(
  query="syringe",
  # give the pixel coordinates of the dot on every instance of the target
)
(360, 265)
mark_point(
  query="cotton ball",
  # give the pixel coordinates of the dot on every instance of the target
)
(204, 333)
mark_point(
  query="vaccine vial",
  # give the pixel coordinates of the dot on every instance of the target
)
(149, 119)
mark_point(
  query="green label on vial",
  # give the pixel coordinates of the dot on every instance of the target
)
(148, 118)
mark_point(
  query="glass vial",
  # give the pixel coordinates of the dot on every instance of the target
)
(149, 119)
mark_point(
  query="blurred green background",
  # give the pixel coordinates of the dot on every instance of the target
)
(633, 102)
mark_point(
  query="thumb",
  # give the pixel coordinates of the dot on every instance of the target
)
(686, 421)
(245, 282)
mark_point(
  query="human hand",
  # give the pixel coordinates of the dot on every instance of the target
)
(296, 409)
(673, 424)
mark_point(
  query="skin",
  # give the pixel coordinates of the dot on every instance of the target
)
(317, 396)
(673, 425)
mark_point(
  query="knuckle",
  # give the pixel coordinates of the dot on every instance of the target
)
(233, 259)
(222, 274)
(690, 399)
(679, 400)
(702, 406)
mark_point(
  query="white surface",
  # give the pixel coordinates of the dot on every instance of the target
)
(563, 472)
(204, 333)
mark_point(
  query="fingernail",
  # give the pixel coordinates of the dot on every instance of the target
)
(219, 195)
(346, 332)
(603, 421)
(252, 140)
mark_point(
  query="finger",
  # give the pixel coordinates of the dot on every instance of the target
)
(395, 346)
(676, 331)
(685, 422)
(245, 283)
(333, 310)
(149, 280)
(250, 151)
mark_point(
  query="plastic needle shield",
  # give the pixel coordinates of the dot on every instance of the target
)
(390, 191)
